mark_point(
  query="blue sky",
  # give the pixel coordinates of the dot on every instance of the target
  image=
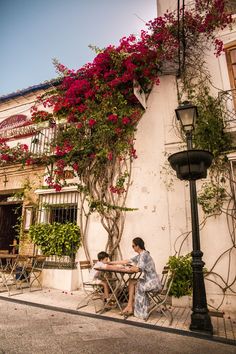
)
(35, 31)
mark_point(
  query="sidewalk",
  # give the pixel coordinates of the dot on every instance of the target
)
(224, 324)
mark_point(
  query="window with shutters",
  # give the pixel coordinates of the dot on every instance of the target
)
(58, 207)
(231, 6)
(230, 52)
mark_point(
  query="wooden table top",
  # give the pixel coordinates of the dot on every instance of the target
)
(116, 268)
(8, 255)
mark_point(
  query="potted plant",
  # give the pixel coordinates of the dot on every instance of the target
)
(182, 284)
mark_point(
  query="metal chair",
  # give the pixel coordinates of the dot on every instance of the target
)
(34, 271)
(3, 263)
(159, 298)
(15, 275)
(92, 290)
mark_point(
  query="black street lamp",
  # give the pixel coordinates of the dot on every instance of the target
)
(192, 165)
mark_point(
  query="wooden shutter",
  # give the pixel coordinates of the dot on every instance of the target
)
(231, 6)
(231, 63)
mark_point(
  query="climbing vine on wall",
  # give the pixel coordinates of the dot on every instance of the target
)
(101, 111)
(217, 196)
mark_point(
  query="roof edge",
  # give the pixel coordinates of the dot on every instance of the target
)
(41, 86)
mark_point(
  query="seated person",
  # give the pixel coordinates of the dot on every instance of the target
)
(97, 276)
(138, 300)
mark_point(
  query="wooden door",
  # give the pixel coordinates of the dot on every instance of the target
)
(9, 214)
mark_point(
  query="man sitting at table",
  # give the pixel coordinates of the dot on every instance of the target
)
(97, 277)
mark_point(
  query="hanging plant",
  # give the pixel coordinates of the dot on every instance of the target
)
(211, 198)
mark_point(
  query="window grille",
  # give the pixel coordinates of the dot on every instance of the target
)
(41, 141)
(58, 207)
(63, 214)
(228, 100)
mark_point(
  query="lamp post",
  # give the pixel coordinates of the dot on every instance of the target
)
(192, 165)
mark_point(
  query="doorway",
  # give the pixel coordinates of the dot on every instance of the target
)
(9, 214)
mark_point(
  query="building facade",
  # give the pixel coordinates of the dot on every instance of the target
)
(161, 202)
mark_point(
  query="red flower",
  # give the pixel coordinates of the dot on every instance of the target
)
(5, 157)
(92, 122)
(75, 166)
(112, 118)
(125, 120)
(29, 161)
(89, 93)
(133, 153)
(110, 156)
(48, 180)
(79, 125)
(60, 164)
(118, 131)
(59, 151)
(82, 108)
(57, 187)
(71, 118)
(24, 147)
(117, 190)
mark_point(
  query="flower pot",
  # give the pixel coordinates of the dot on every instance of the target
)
(191, 164)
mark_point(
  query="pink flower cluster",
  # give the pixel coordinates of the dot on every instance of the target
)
(53, 184)
(63, 150)
(99, 100)
(117, 190)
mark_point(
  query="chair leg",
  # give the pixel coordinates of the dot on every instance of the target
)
(92, 297)
(36, 278)
(160, 303)
(165, 311)
(81, 305)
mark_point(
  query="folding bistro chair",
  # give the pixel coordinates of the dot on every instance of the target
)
(159, 298)
(15, 275)
(3, 263)
(92, 291)
(34, 272)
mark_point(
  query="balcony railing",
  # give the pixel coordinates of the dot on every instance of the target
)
(228, 100)
(41, 142)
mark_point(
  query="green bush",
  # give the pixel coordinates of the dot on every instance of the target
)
(56, 239)
(183, 275)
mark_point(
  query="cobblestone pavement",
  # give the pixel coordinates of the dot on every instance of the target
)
(32, 330)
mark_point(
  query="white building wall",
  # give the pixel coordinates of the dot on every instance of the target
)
(163, 215)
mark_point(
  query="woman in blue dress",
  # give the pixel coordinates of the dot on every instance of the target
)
(149, 280)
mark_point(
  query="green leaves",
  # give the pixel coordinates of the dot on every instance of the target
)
(210, 133)
(211, 198)
(182, 269)
(56, 239)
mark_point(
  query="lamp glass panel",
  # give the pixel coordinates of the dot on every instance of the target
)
(186, 116)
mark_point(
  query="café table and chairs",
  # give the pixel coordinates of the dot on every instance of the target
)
(117, 277)
(18, 272)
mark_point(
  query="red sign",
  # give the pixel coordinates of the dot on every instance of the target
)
(18, 120)
(16, 126)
